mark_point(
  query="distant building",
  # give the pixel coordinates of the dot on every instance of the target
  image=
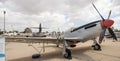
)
(10, 34)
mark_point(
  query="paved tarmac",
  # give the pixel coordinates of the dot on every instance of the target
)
(83, 52)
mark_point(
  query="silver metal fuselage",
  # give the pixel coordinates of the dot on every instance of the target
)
(83, 34)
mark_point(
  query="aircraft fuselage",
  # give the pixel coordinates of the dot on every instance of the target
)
(83, 33)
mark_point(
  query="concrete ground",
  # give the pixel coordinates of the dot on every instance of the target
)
(83, 52)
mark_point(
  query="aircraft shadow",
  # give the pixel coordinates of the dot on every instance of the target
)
(77, 54)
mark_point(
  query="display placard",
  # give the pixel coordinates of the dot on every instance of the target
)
(2, 49)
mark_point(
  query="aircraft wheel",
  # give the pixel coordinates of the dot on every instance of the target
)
(97, 47)
(35, 56)
(57, 46)
(68, 54)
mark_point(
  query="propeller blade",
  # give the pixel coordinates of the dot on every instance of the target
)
(98, 12)
(112, 33)
(102, 34)
(109, 14)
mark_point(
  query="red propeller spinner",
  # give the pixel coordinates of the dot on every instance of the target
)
(107, 23)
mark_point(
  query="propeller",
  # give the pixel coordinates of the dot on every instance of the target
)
(109, 14)
(105, 24)
(40, 28)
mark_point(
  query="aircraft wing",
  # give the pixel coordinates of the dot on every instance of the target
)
(36, 39)
(31, 39)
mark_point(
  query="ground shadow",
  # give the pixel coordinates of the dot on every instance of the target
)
(77, 53)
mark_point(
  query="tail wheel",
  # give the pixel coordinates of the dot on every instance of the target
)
(68, 54)
(35, 56)
(97, 47)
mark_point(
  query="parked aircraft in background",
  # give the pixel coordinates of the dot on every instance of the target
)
(39, 33)
(110, 36)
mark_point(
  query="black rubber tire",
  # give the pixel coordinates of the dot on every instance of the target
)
(35, 56)
(97, 47)
(68, 54)
(72, 45)
(57, 46)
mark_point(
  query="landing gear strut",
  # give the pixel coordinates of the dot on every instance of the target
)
(95, 45)
(66, 51)
(36, 56)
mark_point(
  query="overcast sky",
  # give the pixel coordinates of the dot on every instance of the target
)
(54, 14)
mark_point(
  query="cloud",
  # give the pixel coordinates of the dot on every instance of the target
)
(86, 13)
(27, 13)
(116, 2)
(36, 6)
(55, 14)
(3, 1)
(117, 22)
(19, 21)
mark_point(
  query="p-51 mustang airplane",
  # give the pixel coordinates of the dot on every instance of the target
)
(72, 37)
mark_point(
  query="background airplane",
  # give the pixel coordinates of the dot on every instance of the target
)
(39, 33)
(70, 38)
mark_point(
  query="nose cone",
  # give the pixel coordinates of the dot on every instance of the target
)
(107, 23)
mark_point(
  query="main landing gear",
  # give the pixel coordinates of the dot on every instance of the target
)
(68, 54)
(36, 56)
(66, 51)
(95, 45)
